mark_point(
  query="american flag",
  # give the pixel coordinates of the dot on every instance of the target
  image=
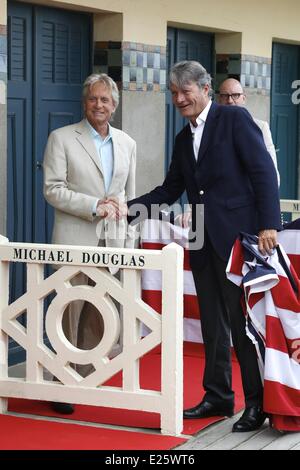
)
(272, 309)
(156, 234)
(271, 295)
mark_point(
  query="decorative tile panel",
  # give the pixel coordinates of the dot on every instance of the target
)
(252, 71)
(3, 53)
(134, 66)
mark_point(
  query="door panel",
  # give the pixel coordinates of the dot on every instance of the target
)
(16, 169)
(285, 116)
(184, 45)
(170, 108)
(19, 142)
(48, 60)
(19, 137)
(62, 52)
(19, 102)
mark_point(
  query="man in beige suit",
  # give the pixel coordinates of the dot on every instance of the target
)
(231, 93)
(89, 174)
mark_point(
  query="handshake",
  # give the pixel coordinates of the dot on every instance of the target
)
(111, 208)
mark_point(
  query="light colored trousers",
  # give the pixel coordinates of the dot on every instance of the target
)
(83, 324)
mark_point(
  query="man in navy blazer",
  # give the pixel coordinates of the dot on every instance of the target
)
(220, 159)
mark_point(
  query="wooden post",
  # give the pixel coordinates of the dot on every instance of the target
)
(34, 370)
(4, 286)
(132, 286)
(172, 340)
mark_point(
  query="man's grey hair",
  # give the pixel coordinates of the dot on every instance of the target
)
(189, 71)
(101, 78)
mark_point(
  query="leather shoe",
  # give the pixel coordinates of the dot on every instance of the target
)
(206, 410)
(62, 408)
(252, 418)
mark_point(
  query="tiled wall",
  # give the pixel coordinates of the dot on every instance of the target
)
(136, 67)
(256, 73)
(108, 59)
(3, 55)
(253, 71)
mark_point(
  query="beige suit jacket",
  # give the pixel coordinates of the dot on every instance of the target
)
(73, 182)
(265, 129)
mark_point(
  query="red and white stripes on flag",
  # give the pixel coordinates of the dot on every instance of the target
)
(156, 234)
(275, 315)
(273, 324)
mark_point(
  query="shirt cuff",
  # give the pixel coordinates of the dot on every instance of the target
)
(94, 210)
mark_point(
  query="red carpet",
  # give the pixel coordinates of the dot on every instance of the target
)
(46, 435)
(30, 434)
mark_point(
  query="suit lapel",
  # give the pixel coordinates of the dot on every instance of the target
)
(208, 131)
(189, 145)
(84, 138)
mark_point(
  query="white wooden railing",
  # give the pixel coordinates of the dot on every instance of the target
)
(166, 329)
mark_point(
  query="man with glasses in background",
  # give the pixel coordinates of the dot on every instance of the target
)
(231, 93)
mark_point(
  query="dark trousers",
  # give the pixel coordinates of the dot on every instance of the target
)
(221, 311)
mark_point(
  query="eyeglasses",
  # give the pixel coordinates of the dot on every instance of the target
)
(234, 96)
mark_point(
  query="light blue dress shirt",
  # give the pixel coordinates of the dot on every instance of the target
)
(106, 155)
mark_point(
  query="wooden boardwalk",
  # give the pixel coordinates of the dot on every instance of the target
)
(219, 437)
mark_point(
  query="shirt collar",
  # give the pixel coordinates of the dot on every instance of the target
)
(202, 116)
(96, 134)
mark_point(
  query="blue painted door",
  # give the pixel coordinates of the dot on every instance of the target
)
(49, 56)
(184, 45)
(285, 116)
(62, 55)
(19, 134)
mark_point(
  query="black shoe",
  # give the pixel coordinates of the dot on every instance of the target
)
(252, 418)
(62, 408)
(206, 410)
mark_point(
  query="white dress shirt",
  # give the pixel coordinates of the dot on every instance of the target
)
(197, 132)
(106, 156)
(106, 153)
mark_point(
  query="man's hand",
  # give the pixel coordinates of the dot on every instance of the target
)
(120, 207)
(112, 208)
(184, 219)
(267, 240)
(106, 211)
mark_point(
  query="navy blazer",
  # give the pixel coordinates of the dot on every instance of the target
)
(234, 177)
